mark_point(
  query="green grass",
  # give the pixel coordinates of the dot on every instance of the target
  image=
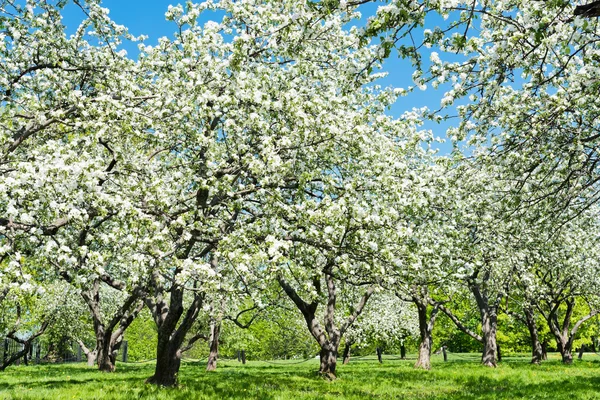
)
(460, 378)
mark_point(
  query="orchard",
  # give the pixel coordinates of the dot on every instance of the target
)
(246, 186)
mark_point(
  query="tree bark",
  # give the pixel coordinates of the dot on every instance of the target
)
(544, 350)
(90, 354)
(172, 332)
(567, 356)
(589, 10)
(424, 357)
(537, 352)
(215, 329)
(563, 336)
(328, 361)
(109, 348)
(489, 321)
(168, 361)
(489, 329)
(425, 330)
(109, 334)
(499, 352)
(91, 358)
(346, 354)
(105, 363)
(330, 336)
(403, 351)
(26, 345)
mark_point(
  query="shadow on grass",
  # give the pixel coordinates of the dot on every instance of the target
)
(485, 388)
(358, 380)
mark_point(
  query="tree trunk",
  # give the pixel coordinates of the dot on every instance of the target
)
(425, 330)
(91, 358)
(544, 350)
(106, 362)
(109, 334)
(26, 343)
(330, 337)
(172, 331)
(168, 361)
(14, 358)
(424, 357)
(489, 322)
(379, 355)
(90, 355)
(537, 352)
(107, 347)
(565, 348)
(347, 352)
(564, 337)
(488, 328)
(567, 357)
(580, 352)
(215, 329)
(328, 361)
(567, 353)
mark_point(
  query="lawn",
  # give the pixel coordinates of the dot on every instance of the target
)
(459, 378)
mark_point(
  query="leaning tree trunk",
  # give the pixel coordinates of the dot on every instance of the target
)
(346, 355)
(537, 353)
(489, 322)
(91, 355)
(215, 330)
(26, 343)
(11, 360)
(91, 358)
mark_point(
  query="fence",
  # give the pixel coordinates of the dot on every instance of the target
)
(41, 353)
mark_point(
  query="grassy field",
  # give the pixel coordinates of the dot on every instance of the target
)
(460, 378)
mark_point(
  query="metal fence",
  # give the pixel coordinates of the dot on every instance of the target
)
(39, 353)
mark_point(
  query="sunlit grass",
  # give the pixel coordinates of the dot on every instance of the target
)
(460, 378)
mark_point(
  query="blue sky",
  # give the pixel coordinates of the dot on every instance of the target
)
(147, 17)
